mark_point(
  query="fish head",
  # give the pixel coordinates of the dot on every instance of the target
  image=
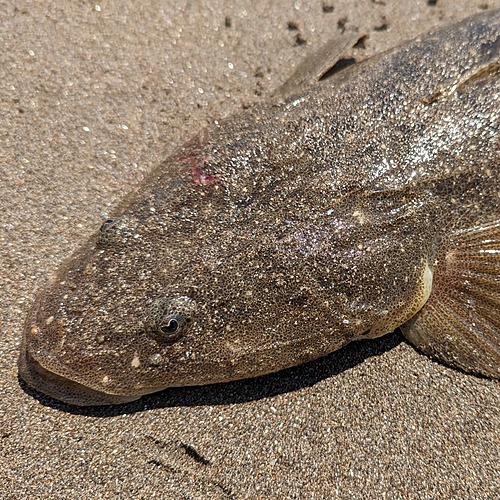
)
(204, 279)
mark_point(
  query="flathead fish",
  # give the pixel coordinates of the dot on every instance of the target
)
(333, 212)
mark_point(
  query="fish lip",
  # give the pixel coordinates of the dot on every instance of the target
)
(62, 388)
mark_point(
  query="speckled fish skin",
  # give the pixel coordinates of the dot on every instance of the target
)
(294, 228)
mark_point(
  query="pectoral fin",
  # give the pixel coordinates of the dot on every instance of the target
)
(460, 322)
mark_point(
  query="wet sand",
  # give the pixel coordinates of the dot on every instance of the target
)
(94, 96)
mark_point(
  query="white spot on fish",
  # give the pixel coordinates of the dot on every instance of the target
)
(155, 359)
(136, 361)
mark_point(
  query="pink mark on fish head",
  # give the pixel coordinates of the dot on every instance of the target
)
(197, 171)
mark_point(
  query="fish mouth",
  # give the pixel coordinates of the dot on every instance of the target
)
(62, 388)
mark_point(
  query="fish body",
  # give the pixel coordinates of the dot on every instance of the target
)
(357, 205)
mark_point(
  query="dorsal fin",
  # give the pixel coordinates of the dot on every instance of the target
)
(314, 66)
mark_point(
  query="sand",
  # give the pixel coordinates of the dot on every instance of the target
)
(92, 97)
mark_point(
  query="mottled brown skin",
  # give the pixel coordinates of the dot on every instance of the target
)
(294, 228)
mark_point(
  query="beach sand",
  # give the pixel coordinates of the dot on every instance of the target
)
(93, 97)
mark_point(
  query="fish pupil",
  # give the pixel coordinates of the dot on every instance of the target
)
(170, 325)
(107, 224)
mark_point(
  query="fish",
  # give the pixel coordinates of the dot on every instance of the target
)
(337, 210)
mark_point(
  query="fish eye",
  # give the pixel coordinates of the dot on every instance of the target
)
(109, 232)
(170, 318)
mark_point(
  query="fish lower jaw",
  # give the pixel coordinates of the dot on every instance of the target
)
(62, 388)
